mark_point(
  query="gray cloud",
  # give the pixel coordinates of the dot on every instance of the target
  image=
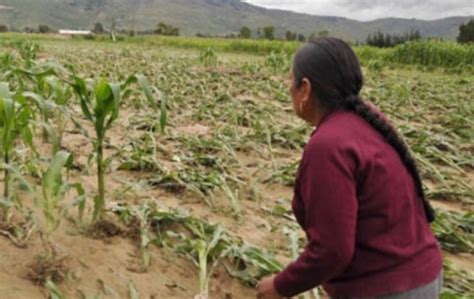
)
(374, 9)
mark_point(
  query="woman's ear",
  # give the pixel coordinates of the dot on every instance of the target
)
(306, 91)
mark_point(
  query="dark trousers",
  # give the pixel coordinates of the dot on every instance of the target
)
(428, 291)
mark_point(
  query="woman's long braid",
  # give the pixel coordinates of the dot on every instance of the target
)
(336, 77)
(356, 104)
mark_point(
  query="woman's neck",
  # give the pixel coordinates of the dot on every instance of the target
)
(319, 116)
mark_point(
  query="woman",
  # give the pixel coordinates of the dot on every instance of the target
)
(358, 193)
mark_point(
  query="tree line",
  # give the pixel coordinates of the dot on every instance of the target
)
(376, 39)
(381, 40)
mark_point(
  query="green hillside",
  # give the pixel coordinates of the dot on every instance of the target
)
(204, 16)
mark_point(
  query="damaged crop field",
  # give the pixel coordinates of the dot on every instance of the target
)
(152, 170)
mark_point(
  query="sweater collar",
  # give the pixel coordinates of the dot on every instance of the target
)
(324, 120)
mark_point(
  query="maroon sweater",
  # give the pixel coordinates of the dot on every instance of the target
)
(366, 227)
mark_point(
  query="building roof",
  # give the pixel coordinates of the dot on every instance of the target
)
(75, 32)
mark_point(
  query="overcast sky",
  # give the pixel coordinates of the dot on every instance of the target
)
(373, 9)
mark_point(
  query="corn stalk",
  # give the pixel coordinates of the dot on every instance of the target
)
(54, 190)
(101, 106)
(14, 123)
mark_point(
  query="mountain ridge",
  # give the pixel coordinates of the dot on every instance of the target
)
(217, 17)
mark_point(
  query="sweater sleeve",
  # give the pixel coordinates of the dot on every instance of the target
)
(327, 187)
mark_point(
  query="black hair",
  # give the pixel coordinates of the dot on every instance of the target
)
(336, 78)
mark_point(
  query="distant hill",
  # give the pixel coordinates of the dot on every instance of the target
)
(204, 16)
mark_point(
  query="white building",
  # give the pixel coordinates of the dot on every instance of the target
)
(75, 32)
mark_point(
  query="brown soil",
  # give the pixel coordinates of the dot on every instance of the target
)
(94, 263)
(48, 266)
(106, 260)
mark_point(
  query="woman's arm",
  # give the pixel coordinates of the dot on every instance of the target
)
(328, 189)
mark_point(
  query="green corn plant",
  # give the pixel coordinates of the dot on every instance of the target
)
(28, 51)
(252, 68)
(233, 195)
(51, 97)
(54, 292)
(148, 91)
(270, 148)
(250, 264)
(59, 94)
(375, 66)
(45, 108)
(204, 251)
(458, 283)
(100, 105)
(19, 234)
(54, 190)
(7, 61)
(133, 293)
(455, 231)
(31, 77)
(142, 156)
(284, 175)
(142, 214)
(208, 57)
(206, 245)
(278, 62)
(198, 182)
(14, 124)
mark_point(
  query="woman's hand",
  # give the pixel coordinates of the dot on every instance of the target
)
(266, 290)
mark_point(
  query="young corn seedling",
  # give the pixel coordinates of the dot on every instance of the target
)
(455, 231)
(45, 108)
(233, 195)
(54, 292)
(51, 97)
(101, 105)
(278, 62)
(285, 174)
(457, 283)
(208, 57)
(204, 251)
(52, 266)
(141, 215)
(54, 190)
(250, 264)
(207, 245)
(19, 234)
(28, 52)
(142, 156)
(14, 124)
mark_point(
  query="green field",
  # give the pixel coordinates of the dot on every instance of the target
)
(209, 182)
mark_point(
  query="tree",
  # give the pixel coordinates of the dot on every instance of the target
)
(415, 35)
(388, 40)
(99, 28)
(381, 40)
(44, 28)
(28, 30)
(291, 36)
(245, 32)
(199, 34)
(301, 38)
(269, 32)
(164, 29)
(323, 33)
(3, 28)
(466, 32)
